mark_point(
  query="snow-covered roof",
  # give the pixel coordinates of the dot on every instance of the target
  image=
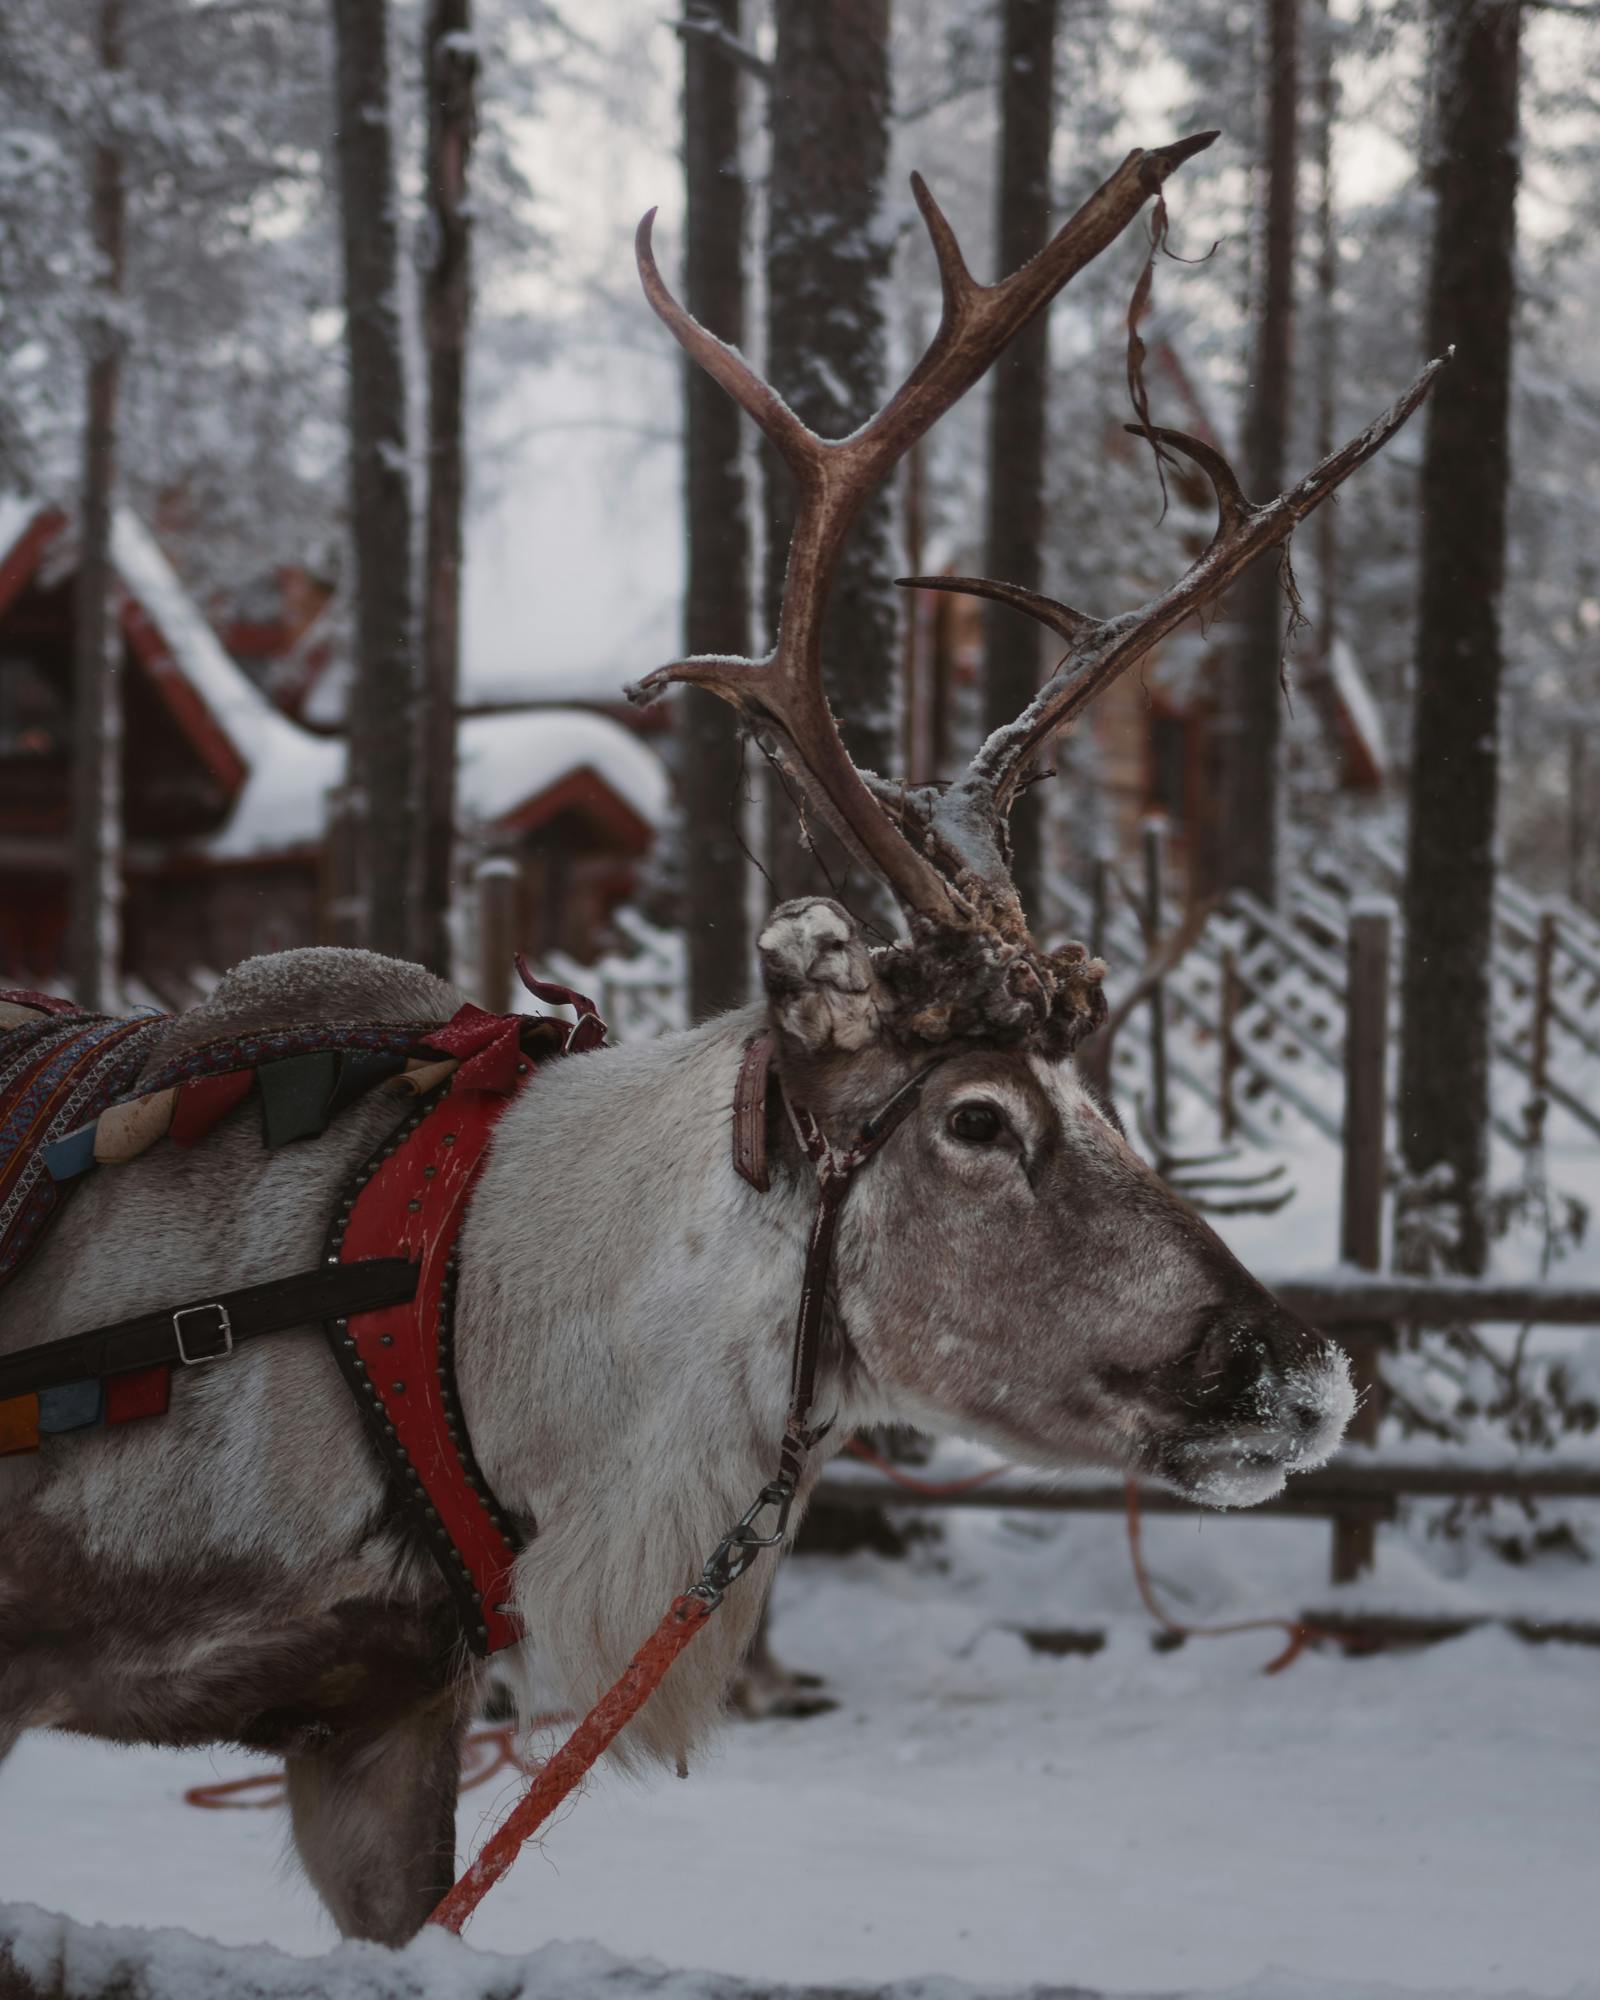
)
(18, 512)
(507, 759)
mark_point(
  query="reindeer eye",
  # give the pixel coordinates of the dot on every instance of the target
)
(978, 1124)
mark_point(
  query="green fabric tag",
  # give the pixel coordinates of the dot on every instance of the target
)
(297, 1096)
(361, 1070)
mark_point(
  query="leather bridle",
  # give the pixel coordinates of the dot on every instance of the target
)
(835, 1168)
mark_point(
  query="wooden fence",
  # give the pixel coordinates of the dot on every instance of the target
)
(1251, 1025)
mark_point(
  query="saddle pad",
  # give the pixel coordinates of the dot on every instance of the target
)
(58, 1072)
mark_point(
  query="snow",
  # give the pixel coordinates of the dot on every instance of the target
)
(508, 758)
(1132, 1822)
(17, 514)
(232, 697)
(1360, 705)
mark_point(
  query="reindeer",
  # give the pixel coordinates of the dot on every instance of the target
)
(1008, 1269)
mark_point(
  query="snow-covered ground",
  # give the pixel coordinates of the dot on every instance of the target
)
(1130, 1822)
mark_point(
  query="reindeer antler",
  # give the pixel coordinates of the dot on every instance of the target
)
(943, 854)
(782, 695)
(1100, 650)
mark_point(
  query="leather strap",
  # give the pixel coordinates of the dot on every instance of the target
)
(750, 1095)
(835, 1171)
(208, 1328)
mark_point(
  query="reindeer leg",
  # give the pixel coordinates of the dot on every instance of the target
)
(764, 1687)
(374, 1817)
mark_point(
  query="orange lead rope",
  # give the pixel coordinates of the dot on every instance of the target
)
(1299, 1634)
(576, 1757)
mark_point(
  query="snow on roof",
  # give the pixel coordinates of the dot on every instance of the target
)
(18, 512)
(506, 759)
(232, 697)
(1360, 709)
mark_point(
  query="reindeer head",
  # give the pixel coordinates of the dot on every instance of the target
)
(1014, 1269)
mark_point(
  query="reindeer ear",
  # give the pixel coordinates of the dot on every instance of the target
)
(821, 988)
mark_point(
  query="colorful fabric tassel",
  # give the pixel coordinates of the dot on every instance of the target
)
(19, 1425)
(297, 1096)
(66, 1158)
(204, 1101)
(145, 1394)
(131, 1128)
(420, 1076)
(75, 1406)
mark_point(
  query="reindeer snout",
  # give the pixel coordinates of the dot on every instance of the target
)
(1258, 1396)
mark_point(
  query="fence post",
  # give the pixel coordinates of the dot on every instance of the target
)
(496, 880)
(1539, 1039)
(1154, 918)
(1227, 1030)
(1366, 1104)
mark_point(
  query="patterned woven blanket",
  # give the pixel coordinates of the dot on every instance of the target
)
(59, 1069)
(71, 1098)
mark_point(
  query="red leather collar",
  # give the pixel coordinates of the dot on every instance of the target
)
(409, 1201)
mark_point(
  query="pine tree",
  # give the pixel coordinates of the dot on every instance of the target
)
(96, 697)
(1018, 415)
(1253, 720)
(717, 597)
(450, 72)
(829, 255)
(1454, 783)
(383, 710)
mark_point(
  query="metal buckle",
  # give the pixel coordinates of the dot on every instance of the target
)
(221, 1324)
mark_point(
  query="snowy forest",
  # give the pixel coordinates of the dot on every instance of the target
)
(350, 487)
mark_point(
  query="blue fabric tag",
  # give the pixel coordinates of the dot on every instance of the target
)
(66, 1158)
(73, 1407)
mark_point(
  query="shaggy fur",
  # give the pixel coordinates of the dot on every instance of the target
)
(234, 1570)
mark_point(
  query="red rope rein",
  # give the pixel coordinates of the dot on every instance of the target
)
(484, 1755)
(1299, 1634)
(933, 1490)
(575, 1759)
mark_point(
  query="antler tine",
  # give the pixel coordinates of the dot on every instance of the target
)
(724, 364)
(1061, 618)
(1104, 650)
(783, 694)
(1232, 507)
(955, 279)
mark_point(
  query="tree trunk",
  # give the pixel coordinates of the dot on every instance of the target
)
(829, 256)
(1450, 864)
(383, 709)
(1014, 530)
(97, 653)
(450, 74)
(717, 600)
(1252, 749)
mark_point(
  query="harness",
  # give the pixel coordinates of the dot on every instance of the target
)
(835, 1168)
(384, 1288)
(385, 1292)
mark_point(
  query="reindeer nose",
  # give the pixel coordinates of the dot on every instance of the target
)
(1260, 1379)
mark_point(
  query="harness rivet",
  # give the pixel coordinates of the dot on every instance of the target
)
(399, 1388)
(386, 1340)
(413, 1207)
